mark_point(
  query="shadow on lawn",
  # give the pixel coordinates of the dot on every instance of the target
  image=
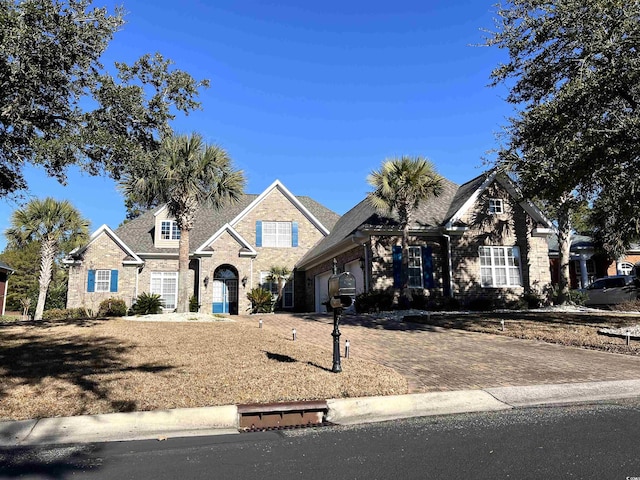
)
(367, 321)
(35, 354)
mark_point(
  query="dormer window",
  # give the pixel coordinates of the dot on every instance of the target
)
(495, 206)
(169, 230)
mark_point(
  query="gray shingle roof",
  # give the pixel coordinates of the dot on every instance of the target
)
(138, 233)
(4, 266)
(430, 213)
(463, 194)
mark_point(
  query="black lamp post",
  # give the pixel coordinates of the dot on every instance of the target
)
(336, 331)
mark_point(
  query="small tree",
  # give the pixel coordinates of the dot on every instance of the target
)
(52, 223)
(279, 275)
(399, 187)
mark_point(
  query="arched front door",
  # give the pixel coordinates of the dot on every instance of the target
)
(225, 290)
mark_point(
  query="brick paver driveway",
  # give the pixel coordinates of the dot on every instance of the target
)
(436, 359)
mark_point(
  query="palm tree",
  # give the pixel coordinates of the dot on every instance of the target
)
(279, 275)
(55, 225)
(399, 187)
(185, 174)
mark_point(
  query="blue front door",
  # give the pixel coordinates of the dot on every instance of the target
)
(225, 296)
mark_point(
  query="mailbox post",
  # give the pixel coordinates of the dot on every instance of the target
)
(342, 289)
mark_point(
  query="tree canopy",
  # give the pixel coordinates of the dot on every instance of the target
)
(54, 225)
(574, 74)
(60, 106)
(185, 174)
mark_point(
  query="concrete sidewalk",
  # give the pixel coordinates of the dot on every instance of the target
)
(224, 420)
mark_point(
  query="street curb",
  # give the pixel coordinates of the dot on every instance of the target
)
(349, 411)
(121, 426)
(539, 395)
(185, 422)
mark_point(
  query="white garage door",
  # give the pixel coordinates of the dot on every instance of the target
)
(354, 269)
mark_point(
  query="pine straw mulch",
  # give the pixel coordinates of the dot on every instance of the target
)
(571, 328)
(50, 369)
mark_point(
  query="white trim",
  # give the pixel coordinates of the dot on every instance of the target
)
(470, 201)
(105, 229)
(512, 189)
(232, 231)
(277, 184)
(160, 210)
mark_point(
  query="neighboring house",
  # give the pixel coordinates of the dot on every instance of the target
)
(5, 271)
(588, 262)
(232, 251)
(480, 239)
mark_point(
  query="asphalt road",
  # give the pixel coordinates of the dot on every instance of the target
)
(599, 441)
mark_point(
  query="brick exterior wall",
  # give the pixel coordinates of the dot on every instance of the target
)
(105, 254)
(514, 227)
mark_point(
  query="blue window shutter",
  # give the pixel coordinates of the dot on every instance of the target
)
(91, 281)
(427, 267)
(397, 266)
(258, 233)
(294, 234)
(114, 281)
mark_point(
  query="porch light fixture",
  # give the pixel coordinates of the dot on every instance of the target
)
(244, 282)
(361, 263)
(206, 281)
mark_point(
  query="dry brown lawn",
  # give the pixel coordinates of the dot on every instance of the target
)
(577, 329)
(100, 366)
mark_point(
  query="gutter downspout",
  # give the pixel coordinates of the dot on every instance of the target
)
(450, 265)
(366, 267)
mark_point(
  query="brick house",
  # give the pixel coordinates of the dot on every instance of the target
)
(480, 239)
(587, 261)
(232, 251)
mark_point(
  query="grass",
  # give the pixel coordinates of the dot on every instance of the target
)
(50, 369)
(577, 329)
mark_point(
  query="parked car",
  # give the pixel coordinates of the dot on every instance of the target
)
(611, 290)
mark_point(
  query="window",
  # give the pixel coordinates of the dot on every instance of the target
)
(169, 230)
(495, 206)
(165, 284)
(625, 268)
(500, 266)
(278, 234)
(103, 280)
(287, 290)
(415, 267)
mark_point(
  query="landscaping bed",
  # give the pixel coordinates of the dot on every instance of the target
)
(50, 369)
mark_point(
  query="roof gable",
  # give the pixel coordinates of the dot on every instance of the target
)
(132, 257)
(279, 186)
(469, 193)
(245, 247)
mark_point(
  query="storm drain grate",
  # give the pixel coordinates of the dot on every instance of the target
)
(280, 416)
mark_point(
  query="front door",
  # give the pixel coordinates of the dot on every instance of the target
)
(225, 291)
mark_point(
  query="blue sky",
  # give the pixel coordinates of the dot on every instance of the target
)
(315, 94)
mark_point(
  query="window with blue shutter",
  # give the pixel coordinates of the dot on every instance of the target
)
(114, 281)
(427, 267)
(397, 266)
(91, 281)
(294, 234)
(258, 233)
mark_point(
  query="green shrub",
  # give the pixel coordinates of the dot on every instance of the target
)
(112, 307)
(374, 301)
(261, 300)
(193, 304)
(65, 314)
(533, 299)
(481, 304)
(147, 304)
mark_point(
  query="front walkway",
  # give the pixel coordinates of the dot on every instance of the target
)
(436, 359)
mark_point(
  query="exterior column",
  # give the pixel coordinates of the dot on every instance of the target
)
(584, 277)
